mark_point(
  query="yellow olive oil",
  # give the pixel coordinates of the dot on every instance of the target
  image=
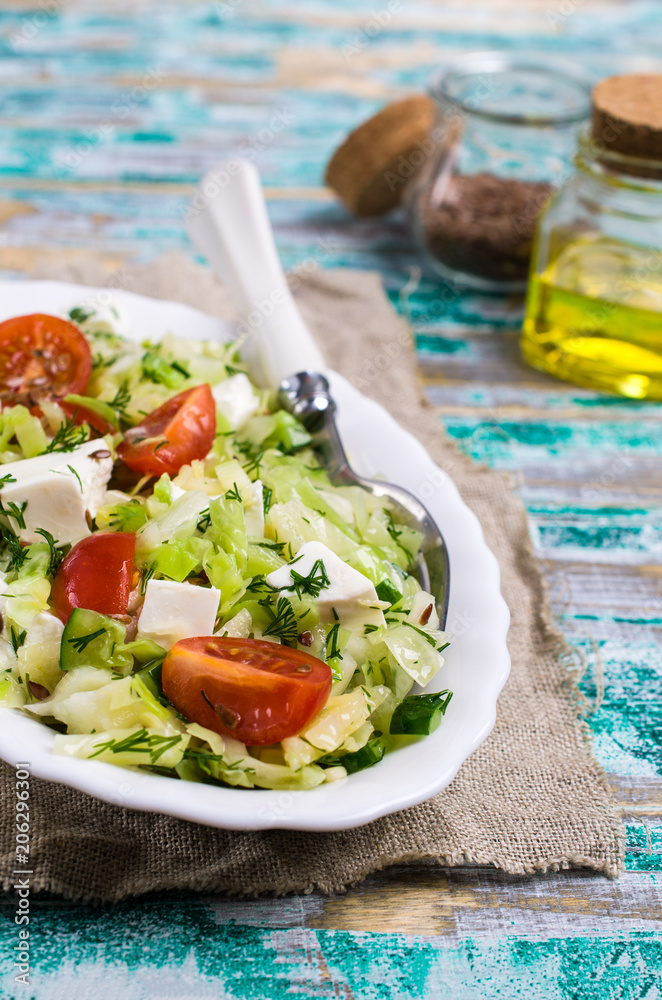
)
(594, 317)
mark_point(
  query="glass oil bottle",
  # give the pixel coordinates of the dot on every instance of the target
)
(594, 306)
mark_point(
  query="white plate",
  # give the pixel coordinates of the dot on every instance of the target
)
(476, 668)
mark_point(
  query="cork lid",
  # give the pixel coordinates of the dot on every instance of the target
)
(369, 171)
(627, 115)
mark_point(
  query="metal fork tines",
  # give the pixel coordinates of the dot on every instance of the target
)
(306, 395)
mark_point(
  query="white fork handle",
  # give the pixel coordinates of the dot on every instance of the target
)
(228, 223)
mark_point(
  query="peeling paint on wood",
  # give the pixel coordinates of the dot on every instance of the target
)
(95, 161)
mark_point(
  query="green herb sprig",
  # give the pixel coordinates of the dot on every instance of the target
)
(13, 510)
(139, 742)
(68, 436)
(55, 555)
(204, 521)
(313, 583)
(284, 624)
(17, 639)
(428, 638)
(81, 642)
(252, 455)
(17, 552)
(233, 494)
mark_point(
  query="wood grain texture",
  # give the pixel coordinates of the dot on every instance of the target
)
(109, 112)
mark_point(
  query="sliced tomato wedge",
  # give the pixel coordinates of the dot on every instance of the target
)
(254, 690)
(42, 356)
(175, 434)
(97, 574)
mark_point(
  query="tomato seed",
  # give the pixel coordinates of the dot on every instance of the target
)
(38, 691)
(214, 650)
(229, 718)
(303, 668)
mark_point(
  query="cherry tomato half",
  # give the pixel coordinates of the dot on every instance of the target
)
(43, 356)
(176, 433)
(256, 691)
(96, 574)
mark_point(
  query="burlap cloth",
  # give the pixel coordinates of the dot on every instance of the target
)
(531, 798)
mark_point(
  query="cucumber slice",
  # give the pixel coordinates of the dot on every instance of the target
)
(90, 639)
(419, 714)
(387, 592)
(151, 677)
(367, 756)
(145, 651)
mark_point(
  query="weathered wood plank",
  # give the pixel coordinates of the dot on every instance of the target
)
(476, 929)
(454, 903)
(591, 485)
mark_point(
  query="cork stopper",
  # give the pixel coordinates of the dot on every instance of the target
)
(369, 171)
(627, 116)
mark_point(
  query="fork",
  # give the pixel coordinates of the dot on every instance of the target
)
(229, 225)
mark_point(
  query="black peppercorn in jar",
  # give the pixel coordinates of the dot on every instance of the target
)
(505, 134)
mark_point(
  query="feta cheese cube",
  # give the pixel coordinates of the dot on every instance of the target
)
(235, 399)
(349, 598)
(174, 611)
(58, 489)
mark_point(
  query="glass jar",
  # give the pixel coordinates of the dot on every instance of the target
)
(594, 308)
(503, 139)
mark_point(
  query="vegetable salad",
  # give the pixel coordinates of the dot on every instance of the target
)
(183, 589)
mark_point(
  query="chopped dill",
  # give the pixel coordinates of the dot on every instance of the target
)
(13, 510)
(139, 742)
(204, 521)
(148, 573)
(121, 400)
(331, 648)
(68, 436)
(81, 642)
(17, 639)
(233, 494)
(55, 555)
(284, 623)
(74, 473)
(278, 547)
(426, 635)
(17, 552)
(252, 455)
(316, 581)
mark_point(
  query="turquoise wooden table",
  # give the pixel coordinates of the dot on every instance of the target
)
(109, 112)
